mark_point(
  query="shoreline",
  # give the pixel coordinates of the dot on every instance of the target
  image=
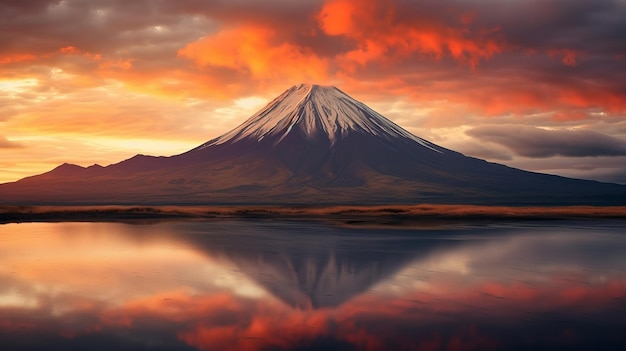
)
(344, 213)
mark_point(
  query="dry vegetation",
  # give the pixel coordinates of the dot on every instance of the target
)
(342, 213)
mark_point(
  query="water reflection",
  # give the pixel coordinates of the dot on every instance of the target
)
(313, 266)
(252, 285)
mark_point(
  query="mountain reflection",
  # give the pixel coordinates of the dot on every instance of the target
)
(254, 285)
(315, 266)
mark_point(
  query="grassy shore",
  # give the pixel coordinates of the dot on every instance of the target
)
(346, 213)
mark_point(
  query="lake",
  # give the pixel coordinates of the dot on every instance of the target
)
(295, 285)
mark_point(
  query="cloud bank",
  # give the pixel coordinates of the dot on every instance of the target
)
(540, 143)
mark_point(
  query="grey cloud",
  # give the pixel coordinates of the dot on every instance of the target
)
(583, 24)
(483, 151)
(602, 168)
(106, 27)
(540, 143)
(22, 7)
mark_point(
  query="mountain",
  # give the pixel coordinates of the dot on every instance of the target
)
(311, 145)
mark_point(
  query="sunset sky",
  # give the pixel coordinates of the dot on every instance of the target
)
(535, 84)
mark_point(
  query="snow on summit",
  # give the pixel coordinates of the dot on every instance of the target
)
(317, 111)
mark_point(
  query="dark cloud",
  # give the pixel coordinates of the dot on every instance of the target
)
(110, 28)
(540, 143)
(23, 7)
(588, 25)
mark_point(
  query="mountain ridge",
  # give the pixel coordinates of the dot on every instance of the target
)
(312, 144)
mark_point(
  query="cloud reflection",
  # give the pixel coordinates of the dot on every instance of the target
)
(288, 286)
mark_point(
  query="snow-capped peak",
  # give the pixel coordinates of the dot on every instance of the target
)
(316, 110)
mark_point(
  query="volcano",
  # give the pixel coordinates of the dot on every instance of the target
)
(311, 145)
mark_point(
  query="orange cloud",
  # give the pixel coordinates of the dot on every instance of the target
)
(257, 52)
(517, 96)
(71, 50)
(373, 30)
(175, 305)
(380, 36)
(338, 17)
(568, 56)
(117, 64)
(349, 322)
(12, 58)
(261, 329)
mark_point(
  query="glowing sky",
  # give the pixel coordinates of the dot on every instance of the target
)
(534, 84)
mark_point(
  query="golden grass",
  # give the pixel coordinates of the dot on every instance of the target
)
(423, 211)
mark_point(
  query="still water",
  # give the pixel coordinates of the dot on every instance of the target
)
(271, 285)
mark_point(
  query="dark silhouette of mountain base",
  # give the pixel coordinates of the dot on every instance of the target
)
(311, 145)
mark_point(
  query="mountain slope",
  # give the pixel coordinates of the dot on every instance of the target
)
(310, 145)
